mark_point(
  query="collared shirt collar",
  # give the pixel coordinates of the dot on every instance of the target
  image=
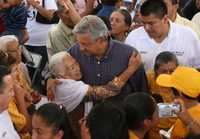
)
(64, 27)
(109, 49)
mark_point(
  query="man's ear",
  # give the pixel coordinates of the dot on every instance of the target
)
(146, 123)
(59, 134)
(165, 19)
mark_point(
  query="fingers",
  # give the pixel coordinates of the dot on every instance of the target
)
(50, 95)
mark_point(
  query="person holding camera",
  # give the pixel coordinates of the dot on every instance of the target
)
(186, 81)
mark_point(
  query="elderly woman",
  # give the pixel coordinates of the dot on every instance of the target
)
(71, 92)
(18, 104)
(10, 44)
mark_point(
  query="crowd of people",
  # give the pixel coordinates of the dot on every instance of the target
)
(105, 67)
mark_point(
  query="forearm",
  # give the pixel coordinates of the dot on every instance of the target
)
(192, 125)
(100, 92)
(121, 80)
(75, 17)
(23, 110)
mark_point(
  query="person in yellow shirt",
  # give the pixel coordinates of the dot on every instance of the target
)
(186, 81)
(165, 62)
(141, 114)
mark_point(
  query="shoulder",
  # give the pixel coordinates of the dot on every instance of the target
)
(196, 16)
(182, 31)
(135, 35)
(122, 47)
(74, 50)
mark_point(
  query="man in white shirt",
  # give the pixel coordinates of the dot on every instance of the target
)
(159, 34)
(7, 130)
(172, 9)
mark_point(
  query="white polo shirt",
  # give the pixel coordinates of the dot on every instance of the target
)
(7, 130)
(182, 41)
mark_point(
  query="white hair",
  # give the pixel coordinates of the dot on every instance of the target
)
(5, 40)
(93, 25)
(56, 62)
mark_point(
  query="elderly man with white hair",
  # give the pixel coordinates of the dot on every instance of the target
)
(102, 59)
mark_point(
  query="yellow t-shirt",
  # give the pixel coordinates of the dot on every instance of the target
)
(132, 135)
(180, 130)
(17, 118)
(166, 93)
(168, 97)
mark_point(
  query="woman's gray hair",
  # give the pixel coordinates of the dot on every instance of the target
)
(5, 40)
(93, 25)
(56, 62)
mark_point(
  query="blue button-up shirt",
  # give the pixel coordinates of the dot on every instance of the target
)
(115, 61)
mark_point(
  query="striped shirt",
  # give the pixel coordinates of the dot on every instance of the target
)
(15, 18)
(115, 61)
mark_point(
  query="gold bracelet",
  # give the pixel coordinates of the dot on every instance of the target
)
(117, 81)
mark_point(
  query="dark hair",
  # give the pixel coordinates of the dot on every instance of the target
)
(57, 117)
(107, 121)
(163, 58)
(154, 7)
(126, 14)
(138, 107)
(4, 70)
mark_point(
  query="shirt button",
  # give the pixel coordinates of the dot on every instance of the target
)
(98, 62)
(98, 75)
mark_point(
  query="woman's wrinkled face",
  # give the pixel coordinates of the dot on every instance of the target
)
(71, 68)
(41, 130)
(118, 25)
(13, 49)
